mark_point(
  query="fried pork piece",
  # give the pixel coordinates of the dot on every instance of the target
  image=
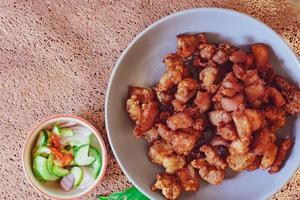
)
(239, 70)
(293, 105)
(219, 141)
(269, 157)
(212, 157)
(134, 109)
(255, 93)
(261, 56)
(228, 132)
(238, 147)
(262, 141)
(169, 185)
(164, 97)
(238, 57)
(173, 163)
(172, 61)
(208, 77)
(151, 135)
(180, 120)
(232, 104)
(144, 95)
(207, 51)
(274, 96)
(178, 106)
(230, 86)
(186, 89)
(285, 87)
(250, 77)
(158, 151)
(246, 122)
(284, 149)
(181, 141)
(239, 162)
(189, 179)
(203, 101)
(221, 56)
(275, 117)
(200, 124)
(209, 173)
(168, 80)
(149, 114)
(255, 164)
(187, 44)
(219, 117)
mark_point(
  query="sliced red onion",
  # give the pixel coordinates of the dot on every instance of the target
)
(67, 124)
(67, 182)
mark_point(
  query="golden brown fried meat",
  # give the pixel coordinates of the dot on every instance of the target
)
(134, 109)
(200, 124)
(262, 140)
(219, 141)
(207, 51)
(183, 142)
(293, 105)
(151, 135)
(239, 162)
(238, 57)
(273, 95)
(255, 164)
(144, 95)
(230, 86)
(219, 117)
(178, 106)
(212, 157)
(172, 61)
(230, 104)
(255, 117)
(169, 185)
(255, 93)
(164, 97)
(203, 101)
(186, 89)
(180, 120)
(158, 151)
(250, 77)
(207, 78)
(275, 117)
(221, 56)
(228, 132)
(168, 80)
(284, 149)
(189, 179)
(187, 44)
(261, 55)
(243, 126)
(238, 147)
(239, 70)
(211, 174)
(173, 163)
(149, 114)
(269, 156)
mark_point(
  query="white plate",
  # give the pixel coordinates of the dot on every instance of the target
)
(141, 64)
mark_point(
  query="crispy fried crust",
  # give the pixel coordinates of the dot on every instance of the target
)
(169, 185)
(189, 179)
(284, 149)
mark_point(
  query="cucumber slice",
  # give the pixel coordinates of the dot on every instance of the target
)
(66, 132)
(96, 166)
(42, 139)
(75, 140)
(41, 151)
(56, 130)
(81, 130)
(78, 174)
(81, 157)
(50, 164)
(40, 169)
(59, 171)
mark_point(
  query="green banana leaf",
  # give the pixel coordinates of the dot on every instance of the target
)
(129, 194)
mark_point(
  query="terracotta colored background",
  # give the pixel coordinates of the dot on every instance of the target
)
(57, 56)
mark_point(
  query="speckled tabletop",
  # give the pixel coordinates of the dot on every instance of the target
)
(57, 56)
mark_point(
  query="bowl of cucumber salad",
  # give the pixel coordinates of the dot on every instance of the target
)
(64, 157)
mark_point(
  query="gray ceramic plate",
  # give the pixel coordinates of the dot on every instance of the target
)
(141, 65)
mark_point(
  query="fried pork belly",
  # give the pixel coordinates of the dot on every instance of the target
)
(169, 185)
(173, 163)
(187, 44)
(158, 151)
(186, 89)
(208, 77)
(219, 117)
(209, 173)
(228, 132)
(203, 101)
(180, 120)
(239, 162)
(189, 179)
(212, 157)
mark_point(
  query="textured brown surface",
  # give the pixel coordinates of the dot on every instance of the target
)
(57, 56)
